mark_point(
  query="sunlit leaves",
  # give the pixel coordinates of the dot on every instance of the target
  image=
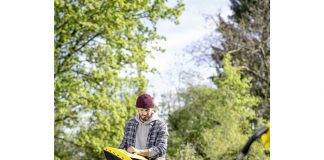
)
(100, 52)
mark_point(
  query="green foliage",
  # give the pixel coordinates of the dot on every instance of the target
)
(186, 152)
(247, 34)
(217, 122)
(99, 61)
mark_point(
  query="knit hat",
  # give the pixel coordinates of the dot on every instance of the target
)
(144, 101)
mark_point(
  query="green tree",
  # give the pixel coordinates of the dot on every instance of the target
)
(186, 152)
(99, 61)
(217, 122)
(246, 34)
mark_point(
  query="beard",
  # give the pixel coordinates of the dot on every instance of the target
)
(145, 118)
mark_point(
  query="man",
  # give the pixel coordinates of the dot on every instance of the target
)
(146, 134)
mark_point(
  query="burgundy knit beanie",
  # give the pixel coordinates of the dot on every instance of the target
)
(144, 101)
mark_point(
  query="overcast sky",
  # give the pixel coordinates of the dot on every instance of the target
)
(192, 28)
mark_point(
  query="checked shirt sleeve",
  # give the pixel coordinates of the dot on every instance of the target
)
(161, 143)
(123, 144)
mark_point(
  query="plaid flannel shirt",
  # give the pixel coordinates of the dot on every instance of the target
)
(156, 139)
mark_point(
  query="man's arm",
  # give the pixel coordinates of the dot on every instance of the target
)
(123, 144)
(161, 142)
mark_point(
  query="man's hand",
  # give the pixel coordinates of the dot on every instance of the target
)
(132, 149)
(143, 152)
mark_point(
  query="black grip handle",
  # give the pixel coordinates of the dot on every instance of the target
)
(248, 144)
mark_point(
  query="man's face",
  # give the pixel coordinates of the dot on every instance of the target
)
(145, 114)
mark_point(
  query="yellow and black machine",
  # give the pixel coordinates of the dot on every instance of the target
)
(120, 154)
(263, 133)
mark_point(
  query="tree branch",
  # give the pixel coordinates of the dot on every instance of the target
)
(72, 51)
(73, 143)
(253, 72)
(264, 57)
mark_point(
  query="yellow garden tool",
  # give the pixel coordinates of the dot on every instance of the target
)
(265, 138)
(264, 133)
(120, 154)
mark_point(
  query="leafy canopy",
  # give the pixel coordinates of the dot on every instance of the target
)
(216, 122)
(99, 61)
